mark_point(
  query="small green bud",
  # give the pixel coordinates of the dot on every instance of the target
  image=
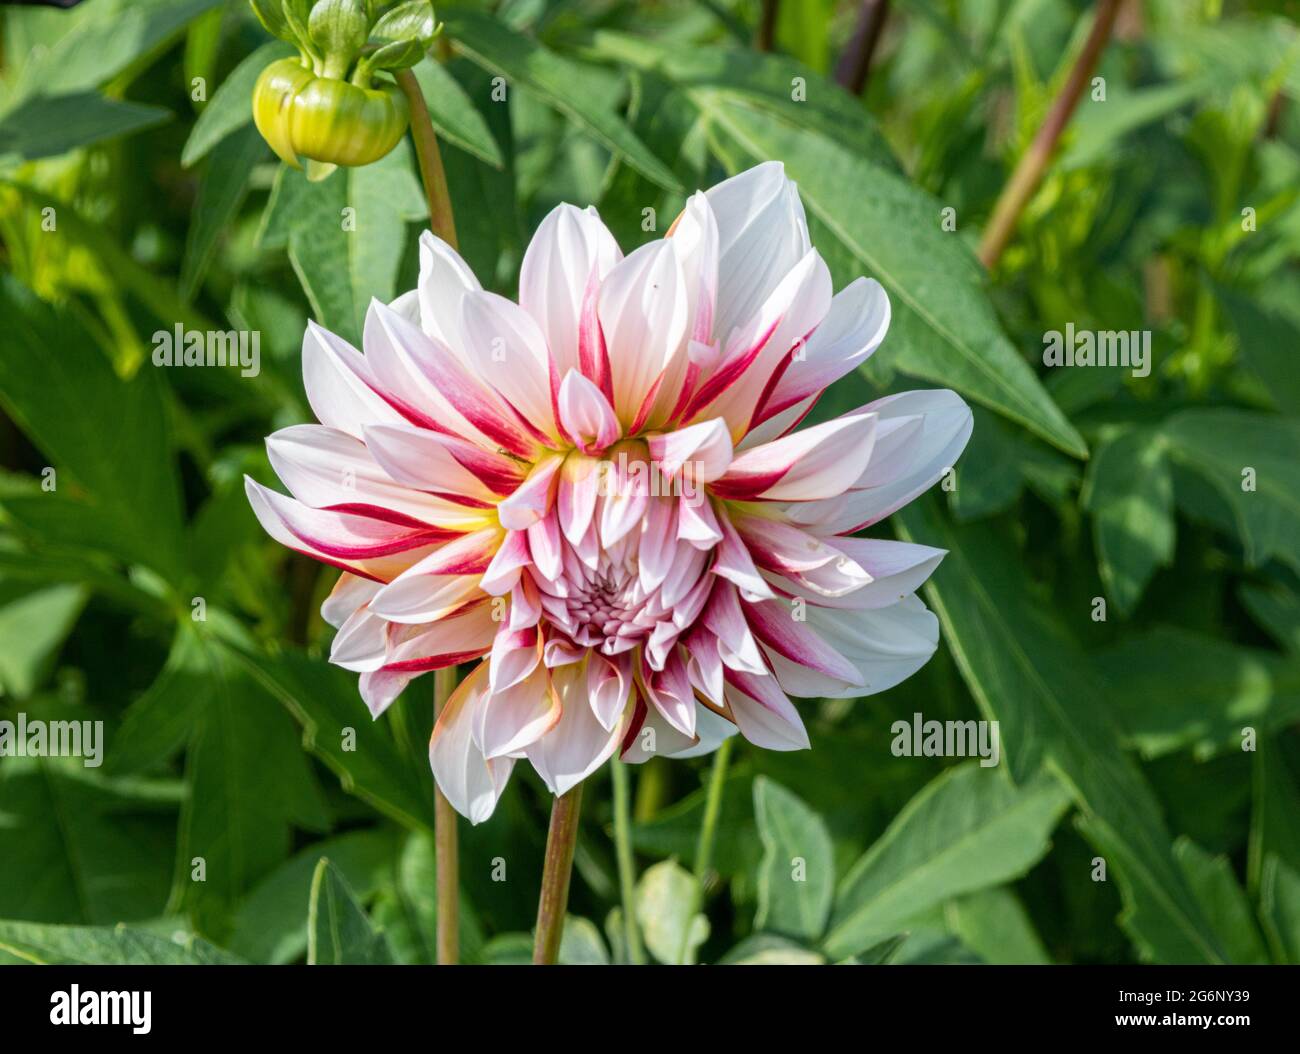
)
(324, 119)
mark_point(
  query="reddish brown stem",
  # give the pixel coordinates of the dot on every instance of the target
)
(445, 846)
(426, 151)
(557, 868)
(765, 37)
(1029, 171)
(855, 64)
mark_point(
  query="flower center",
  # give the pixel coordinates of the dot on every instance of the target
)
(626, 581)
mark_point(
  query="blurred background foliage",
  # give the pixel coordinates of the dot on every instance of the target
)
(1171, 206)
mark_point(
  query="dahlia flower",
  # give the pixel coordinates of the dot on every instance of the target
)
(599, 497)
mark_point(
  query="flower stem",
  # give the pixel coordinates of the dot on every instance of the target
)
(712, 810)
(626, 865)
(561, 840)
(1029, 170)
(855, 63)
(432, 174)
(446, 851)
(765, 34)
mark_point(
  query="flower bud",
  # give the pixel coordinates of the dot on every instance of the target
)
(333, 121)
(324, 105)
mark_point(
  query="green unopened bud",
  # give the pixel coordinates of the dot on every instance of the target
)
(336, 122)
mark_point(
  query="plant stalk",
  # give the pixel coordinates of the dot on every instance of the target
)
(765, 35)
(626, 864)
(855, 63)
(1029, 170)
(712, 810)
(557, 869)
(446, 849)
(434, 177)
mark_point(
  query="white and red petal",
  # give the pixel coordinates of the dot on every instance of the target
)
(643, 314)
(578, 744)
(472, 783)
(919, 436)
(512, 719)
(570, 250)
(810, 465)
(585, 415)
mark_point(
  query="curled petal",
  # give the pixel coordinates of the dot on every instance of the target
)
(853, 328)
(701, 452)
(471, 782)
(919, 436)
(578, 744)
(350, 592)
(514, 718)
(764, 714)
(535, 495)
(585, 414)
(816, 463)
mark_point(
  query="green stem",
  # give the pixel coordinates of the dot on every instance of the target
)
(446, 849)
(708, 834)
(432, 174)
(557, 869)
(1029, 170)
(626, 865)
(712, 810)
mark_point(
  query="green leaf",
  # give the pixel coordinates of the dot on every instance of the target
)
(1026, 672)
(338, 932)
(249, 785)
(1172, 689)
(271, 927)
(944, 328)
(76, 847)
(1223, 900)
(1098, 127)
(107, 438)
(106, 946)
(231, 105)
(968, 829)
(567, 86)
(409, 914)
(412, 20)
(1236, 449)
(1268, 334)
(339, 731)
(453, 114)
(763, 80)
(581, 943)
(156, 725)
(797, 877)
(675, 830)
(1274, 820)
(667, 907)
(768, 949)
(1277, 610)
(995, 926)
(33, 626)
(47, 126)
(221, 192)
(346, 235)
(111, 38)
(1279, 906)
(1130, 493)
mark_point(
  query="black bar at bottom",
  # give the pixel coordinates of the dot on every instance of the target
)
(336, 1004)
